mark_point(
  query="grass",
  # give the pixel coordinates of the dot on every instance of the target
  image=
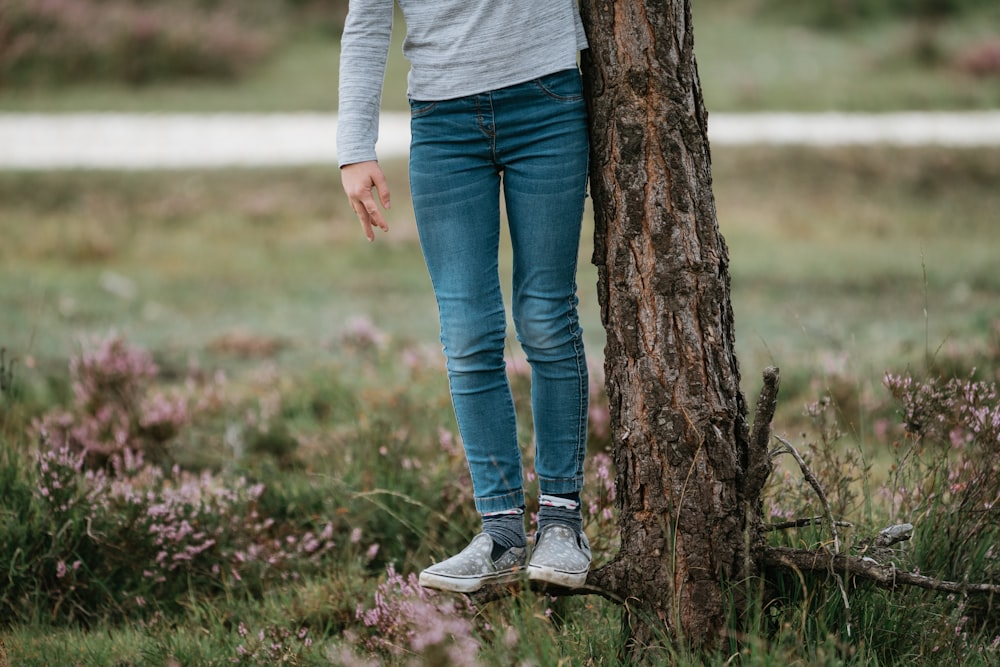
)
(835, 257)
(748, 61)
(752, 63)
(848, 261)
(845, 263)
(204, 644)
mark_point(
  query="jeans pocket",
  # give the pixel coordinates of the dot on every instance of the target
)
(565, 86)
(421, 108)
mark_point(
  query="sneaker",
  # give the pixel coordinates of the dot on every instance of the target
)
(561, 557)
(469, 570)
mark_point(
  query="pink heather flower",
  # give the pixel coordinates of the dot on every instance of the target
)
(405, 614)
(345, 655)
(355, 536)
(448, 442)
(411, 358)
(361, 332)
(419, 358)
(113, 408)
(600, 420)
(776, 511)
(881, 429)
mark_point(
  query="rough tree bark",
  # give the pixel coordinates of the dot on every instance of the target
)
(690, 471)
(681, 440)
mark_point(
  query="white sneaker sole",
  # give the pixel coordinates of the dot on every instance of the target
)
(548, 575)
(465, 584)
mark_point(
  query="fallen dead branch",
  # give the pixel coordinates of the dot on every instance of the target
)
(801, 523)
(883, 576)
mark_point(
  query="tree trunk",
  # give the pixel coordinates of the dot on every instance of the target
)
(681, 441)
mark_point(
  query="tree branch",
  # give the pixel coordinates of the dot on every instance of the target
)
(814, 483)
(883, 576)
(759, 463)
(801, 522)
(800, 560)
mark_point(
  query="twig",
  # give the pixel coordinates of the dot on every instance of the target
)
(883, 576)
(818, 488)
(814, 483)
(801, 522)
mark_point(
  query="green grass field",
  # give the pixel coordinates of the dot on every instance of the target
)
(315, 444)
(845, 263)
(878, 255)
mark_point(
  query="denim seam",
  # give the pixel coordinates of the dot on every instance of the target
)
(418, 111)
(581, 374)
(553, 485)
(507, 501)
(539, 83)
(559, 98)
(491, 131)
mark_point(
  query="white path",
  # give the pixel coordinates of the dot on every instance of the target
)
(156, 141)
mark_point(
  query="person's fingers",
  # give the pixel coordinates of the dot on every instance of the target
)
(374, 215)
(359, 181)
(382, 187)
(365, 220)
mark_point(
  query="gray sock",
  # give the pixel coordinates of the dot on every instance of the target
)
(506, 529)
(561, 509)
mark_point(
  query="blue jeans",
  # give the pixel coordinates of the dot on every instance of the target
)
(530, 141)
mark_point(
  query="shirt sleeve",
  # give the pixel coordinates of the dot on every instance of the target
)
(364, 51)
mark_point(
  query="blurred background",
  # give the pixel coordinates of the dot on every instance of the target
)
(233, 324)
(259, 55)
(852, 255)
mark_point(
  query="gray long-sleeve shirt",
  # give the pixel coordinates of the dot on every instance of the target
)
(455, 48)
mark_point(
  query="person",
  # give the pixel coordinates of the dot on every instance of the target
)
(496, 106)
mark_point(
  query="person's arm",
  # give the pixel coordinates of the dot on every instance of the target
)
(364, 51)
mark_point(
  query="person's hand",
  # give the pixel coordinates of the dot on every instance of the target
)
(358, 180)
